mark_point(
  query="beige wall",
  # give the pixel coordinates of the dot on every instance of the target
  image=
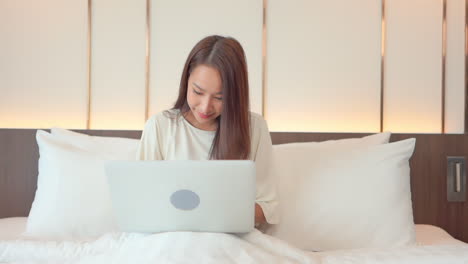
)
(177, 25)
(323, 65)
(455, 67)
(43, 63)
(322, 74)
(413, 66)
(118, 64)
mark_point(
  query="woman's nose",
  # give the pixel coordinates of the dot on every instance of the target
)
(206, 106)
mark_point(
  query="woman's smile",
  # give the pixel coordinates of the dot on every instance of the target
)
(204, 116)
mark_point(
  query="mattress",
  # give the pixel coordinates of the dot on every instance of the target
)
(434, 245)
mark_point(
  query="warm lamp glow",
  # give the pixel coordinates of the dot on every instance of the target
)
(118, 121)
(277, 122)
(42, 123)
(414, 126)
(306, 122)
(111, 122)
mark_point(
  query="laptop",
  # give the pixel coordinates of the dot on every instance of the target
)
(183, 195)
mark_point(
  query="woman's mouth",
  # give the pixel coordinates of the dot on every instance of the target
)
(203, 115)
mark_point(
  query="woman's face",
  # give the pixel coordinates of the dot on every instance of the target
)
(204, 97)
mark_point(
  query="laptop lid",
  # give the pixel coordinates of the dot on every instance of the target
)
(183, 195)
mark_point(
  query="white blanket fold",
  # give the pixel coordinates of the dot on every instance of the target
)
(170, 247)
(193, 247)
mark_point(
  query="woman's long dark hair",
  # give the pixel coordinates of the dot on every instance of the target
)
(232, 139)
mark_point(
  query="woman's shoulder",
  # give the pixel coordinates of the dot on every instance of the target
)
(257, 122)
(256, 116)
(256, 119)
(259, 131)
(165, 117)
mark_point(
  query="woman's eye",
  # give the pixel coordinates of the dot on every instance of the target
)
(196, 92)
(219, 98)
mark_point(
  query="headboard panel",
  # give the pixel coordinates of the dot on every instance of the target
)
(19, 156)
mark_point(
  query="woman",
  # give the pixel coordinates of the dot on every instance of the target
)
(211, 119)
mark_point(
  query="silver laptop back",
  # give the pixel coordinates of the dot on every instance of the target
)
(183, 195)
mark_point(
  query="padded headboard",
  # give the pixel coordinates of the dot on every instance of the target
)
(19, 156)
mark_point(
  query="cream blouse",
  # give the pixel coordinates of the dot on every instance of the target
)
(169, 136)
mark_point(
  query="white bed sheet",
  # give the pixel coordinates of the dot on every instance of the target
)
(434, 245)
(12, 228)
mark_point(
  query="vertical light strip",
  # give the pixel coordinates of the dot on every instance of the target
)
(148, 35)
(264, 50)
(444, 53)
(466, 65)
(88, 118)
(382, 64)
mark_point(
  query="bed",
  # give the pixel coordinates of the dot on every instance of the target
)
(431, 211)
(434, 245)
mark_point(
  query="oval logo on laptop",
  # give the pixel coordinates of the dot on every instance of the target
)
(185, 200)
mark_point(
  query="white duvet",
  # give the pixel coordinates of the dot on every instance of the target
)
(191, 247)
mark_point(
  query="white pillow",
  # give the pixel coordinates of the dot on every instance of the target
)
(341, 198)
(72, 197)
(292, 159)
(338, 144)
(113, 147)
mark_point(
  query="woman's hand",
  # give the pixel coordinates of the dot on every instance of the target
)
(259, 216)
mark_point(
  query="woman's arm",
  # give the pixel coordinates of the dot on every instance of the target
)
(149, 147)
(259, 216)
(262, 151)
